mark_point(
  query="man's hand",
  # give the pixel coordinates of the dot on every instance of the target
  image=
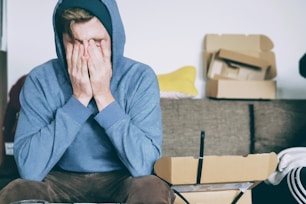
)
(100, 71)
(78, 72)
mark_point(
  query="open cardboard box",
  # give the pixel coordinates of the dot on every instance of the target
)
(217, 169)
(246, 83)
(227, 170)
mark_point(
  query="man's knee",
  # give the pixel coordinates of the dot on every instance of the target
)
(17, 184)
(150, 189)
(22, 188)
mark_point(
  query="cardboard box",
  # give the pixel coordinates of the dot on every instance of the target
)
(253, 46)
(222, 177)
(241, 89)
(217, 169)
(215, 197)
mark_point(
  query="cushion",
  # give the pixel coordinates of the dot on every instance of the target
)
(226, 124)
(279, 124)
(178, 84)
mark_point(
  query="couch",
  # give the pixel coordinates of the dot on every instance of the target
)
(234, 127)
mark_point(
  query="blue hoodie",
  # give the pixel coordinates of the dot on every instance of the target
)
(55, 129)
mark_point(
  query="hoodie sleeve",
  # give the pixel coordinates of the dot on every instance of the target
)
(136, 128)
(44, 133)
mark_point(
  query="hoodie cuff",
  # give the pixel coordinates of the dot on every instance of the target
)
(76, 110)
(109, 115)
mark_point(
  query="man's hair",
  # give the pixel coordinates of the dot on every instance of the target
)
(66, 18)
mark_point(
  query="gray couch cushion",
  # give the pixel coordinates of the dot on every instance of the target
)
(279, 124)
(226, 124)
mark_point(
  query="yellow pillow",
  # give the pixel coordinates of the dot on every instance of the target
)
(178, 84)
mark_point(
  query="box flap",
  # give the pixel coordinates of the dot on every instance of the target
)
(253, 167)
(242, 58)
(164, 163)
(238, 42)
(216, 169)
(171, 169)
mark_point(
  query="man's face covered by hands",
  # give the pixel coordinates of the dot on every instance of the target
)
(84, 32)
(88, 54)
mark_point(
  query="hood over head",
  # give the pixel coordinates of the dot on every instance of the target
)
(95, 7)
(107, 12)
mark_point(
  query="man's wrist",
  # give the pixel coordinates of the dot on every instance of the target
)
(83, 100)
(103, 101)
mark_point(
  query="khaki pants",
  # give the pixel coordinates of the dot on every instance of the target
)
(61, 187)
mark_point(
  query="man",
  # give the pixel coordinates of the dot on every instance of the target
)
(90, 127)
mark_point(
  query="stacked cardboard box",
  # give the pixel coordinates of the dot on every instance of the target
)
(239, 66)
(222, 178)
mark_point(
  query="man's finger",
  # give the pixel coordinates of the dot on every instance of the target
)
(106, 50)
(69, 49)
(75, 55)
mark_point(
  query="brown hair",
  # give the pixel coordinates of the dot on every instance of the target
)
(66, 18)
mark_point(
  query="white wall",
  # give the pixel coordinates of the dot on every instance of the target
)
(168, 34)
(3, 40)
